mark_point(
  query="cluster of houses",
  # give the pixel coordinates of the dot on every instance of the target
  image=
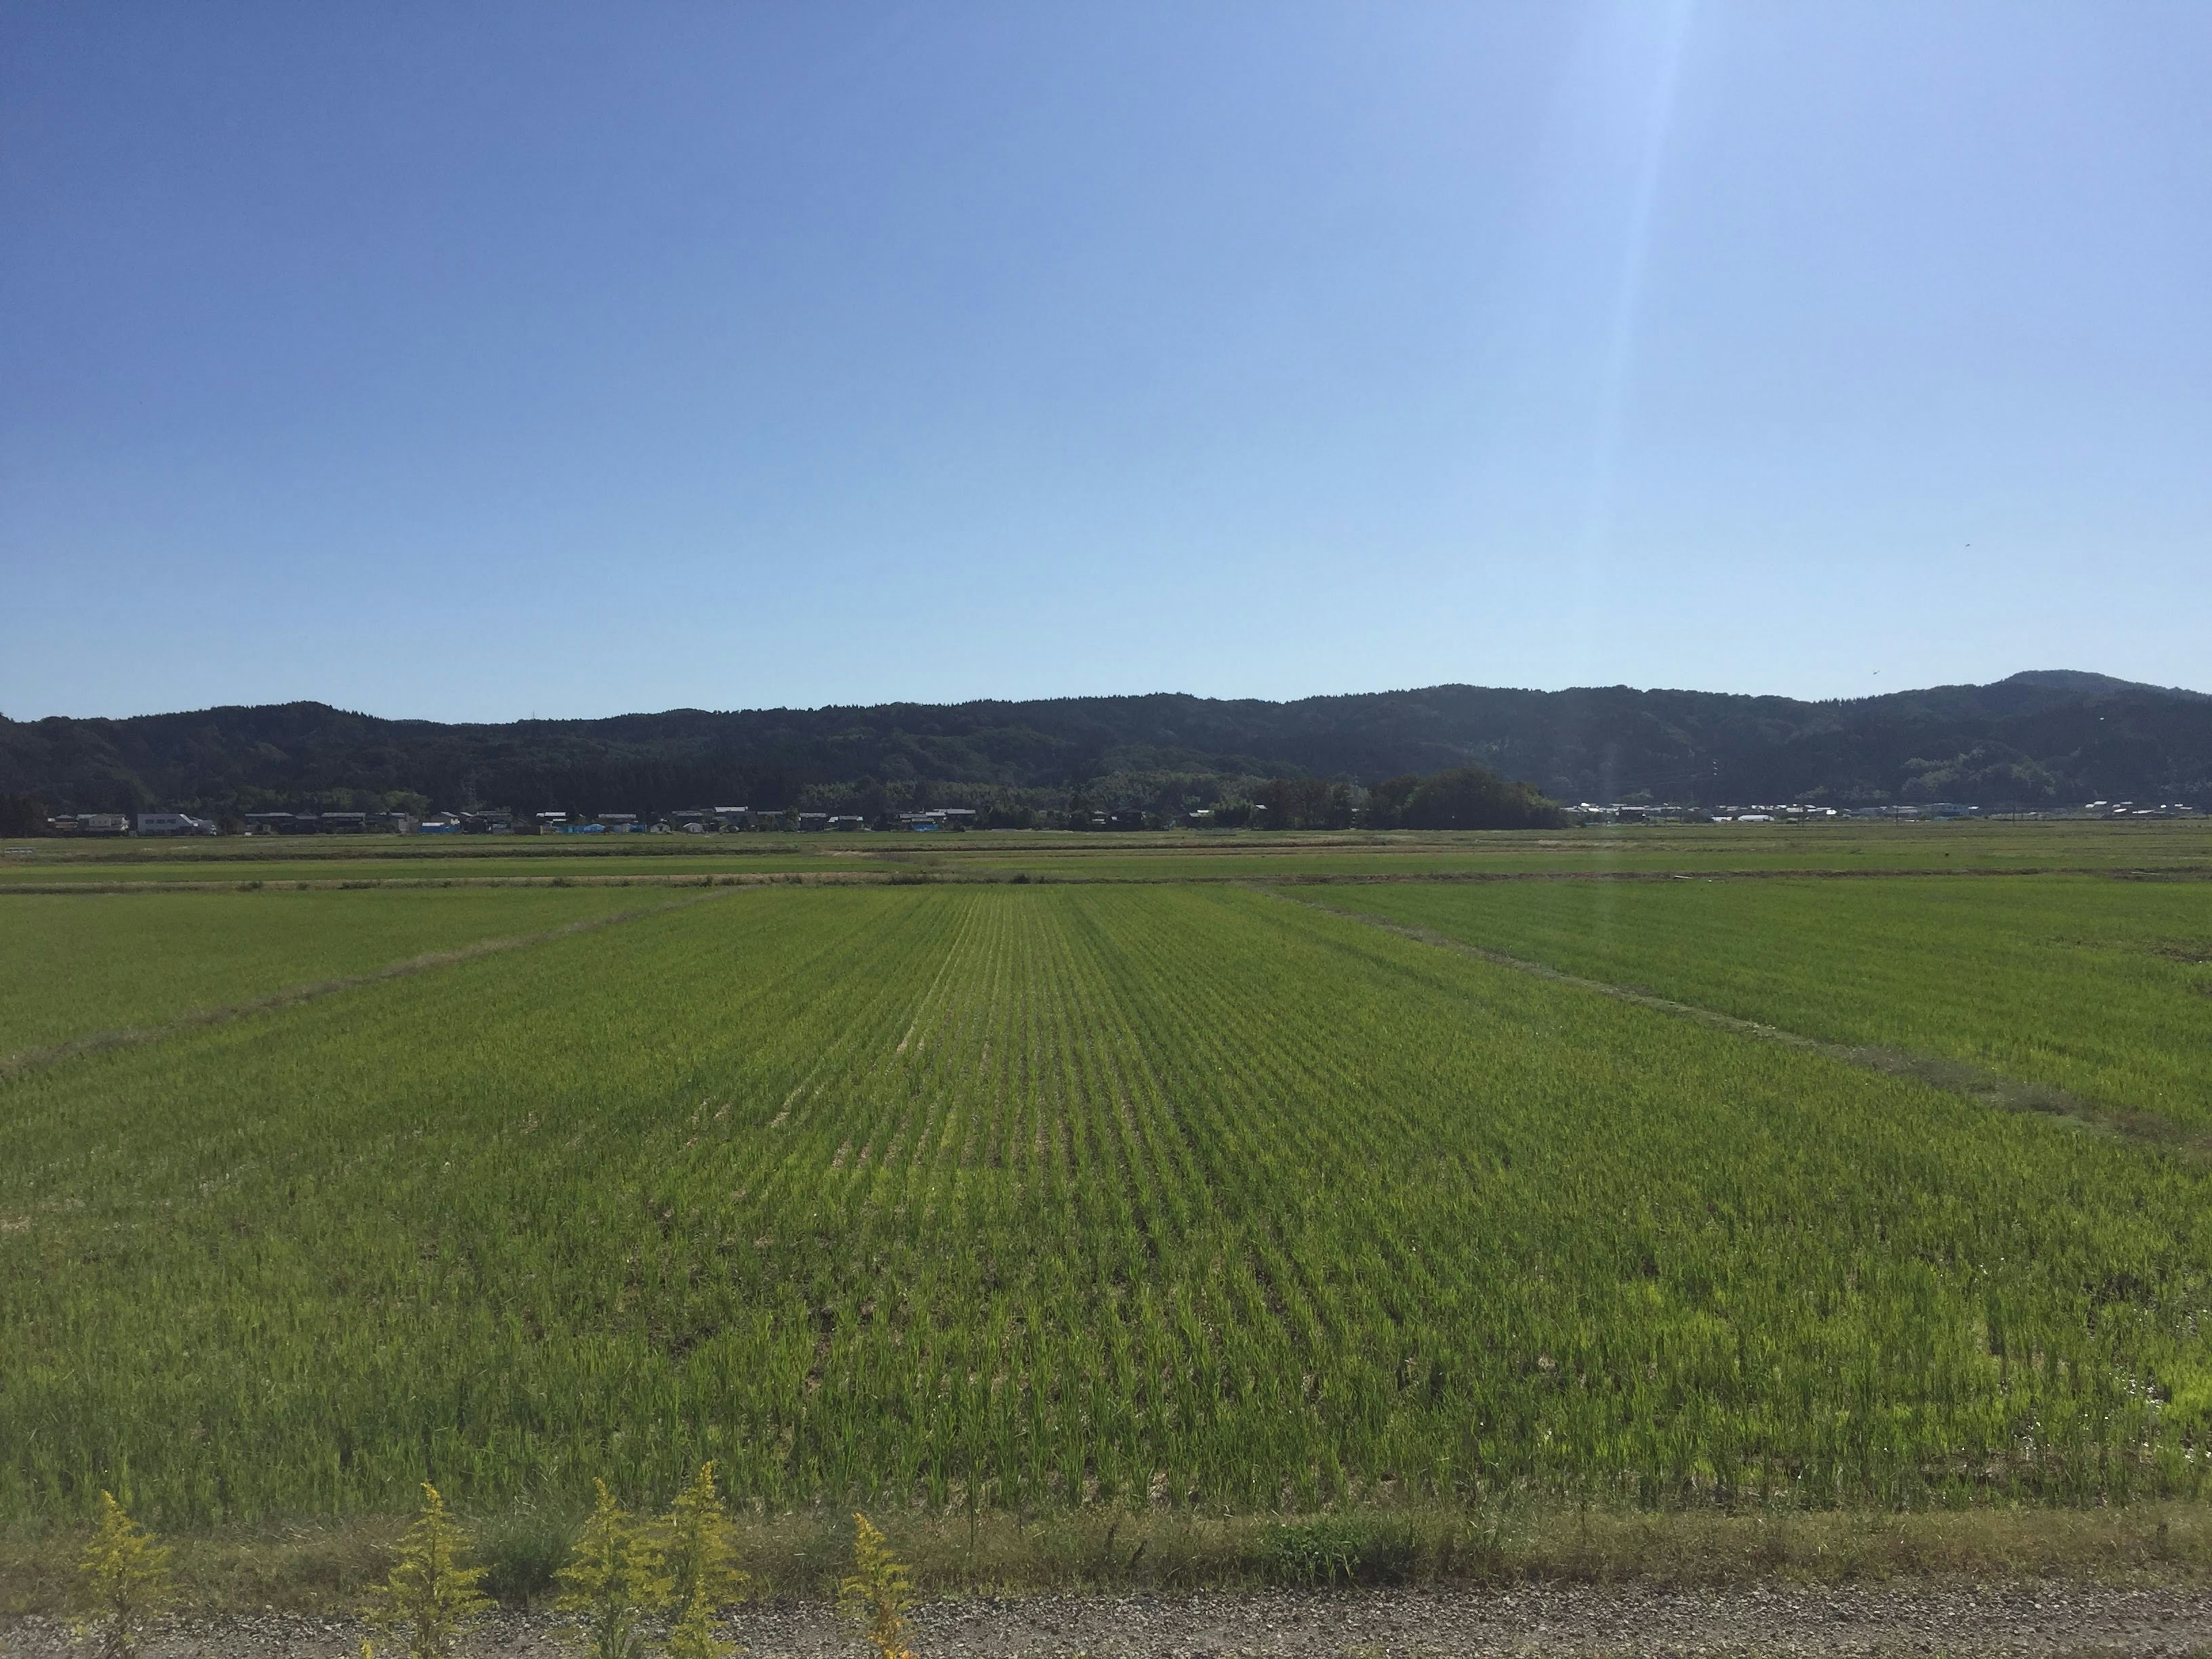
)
(2128, 809)
(721, 820)
(1804, 812)
(709, 820)
(1781, 812)
(115, 823)
(1776, 812)
(696, 821)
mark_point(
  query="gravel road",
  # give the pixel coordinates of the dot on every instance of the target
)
(2043, 1619)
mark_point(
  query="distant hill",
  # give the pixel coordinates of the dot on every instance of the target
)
(2073, 679)
(2045, 737)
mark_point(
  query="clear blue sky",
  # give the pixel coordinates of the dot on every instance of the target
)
(470, 361)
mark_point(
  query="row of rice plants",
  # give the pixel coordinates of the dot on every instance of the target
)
(1017, 1195)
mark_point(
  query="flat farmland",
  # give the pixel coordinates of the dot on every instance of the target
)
(1032, 1198)
(81, 964)
(344, 864)
(1853, 849)
(2100, 986)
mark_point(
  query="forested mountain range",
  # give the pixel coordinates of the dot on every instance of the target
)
(2054, 737)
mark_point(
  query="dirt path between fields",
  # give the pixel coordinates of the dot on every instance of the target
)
(2036, 1618)
(31, 1059)
(1956, 1077)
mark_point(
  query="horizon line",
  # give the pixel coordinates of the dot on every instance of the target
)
(2110, 681)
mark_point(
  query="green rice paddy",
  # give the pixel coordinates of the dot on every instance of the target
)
(2099, 987)
(1090, 1190)
(79, 965)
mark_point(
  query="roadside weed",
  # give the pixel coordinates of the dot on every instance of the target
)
(877, 1593)
(702, 1575)
(431, 1599)
(124, 1580)
(613, 1582)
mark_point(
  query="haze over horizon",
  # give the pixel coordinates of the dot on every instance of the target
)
(470, 365)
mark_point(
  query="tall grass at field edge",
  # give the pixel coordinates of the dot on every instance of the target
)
(326, 1566)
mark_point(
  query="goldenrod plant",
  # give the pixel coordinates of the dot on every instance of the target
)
(703, 1578)
(430, 1599)
(877, 1592)
(693, 1635)
(124, 1580)
(613, 1582)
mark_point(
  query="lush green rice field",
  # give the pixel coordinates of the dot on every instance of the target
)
(2097, 985)
(78, 964)
(1033, 1195)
